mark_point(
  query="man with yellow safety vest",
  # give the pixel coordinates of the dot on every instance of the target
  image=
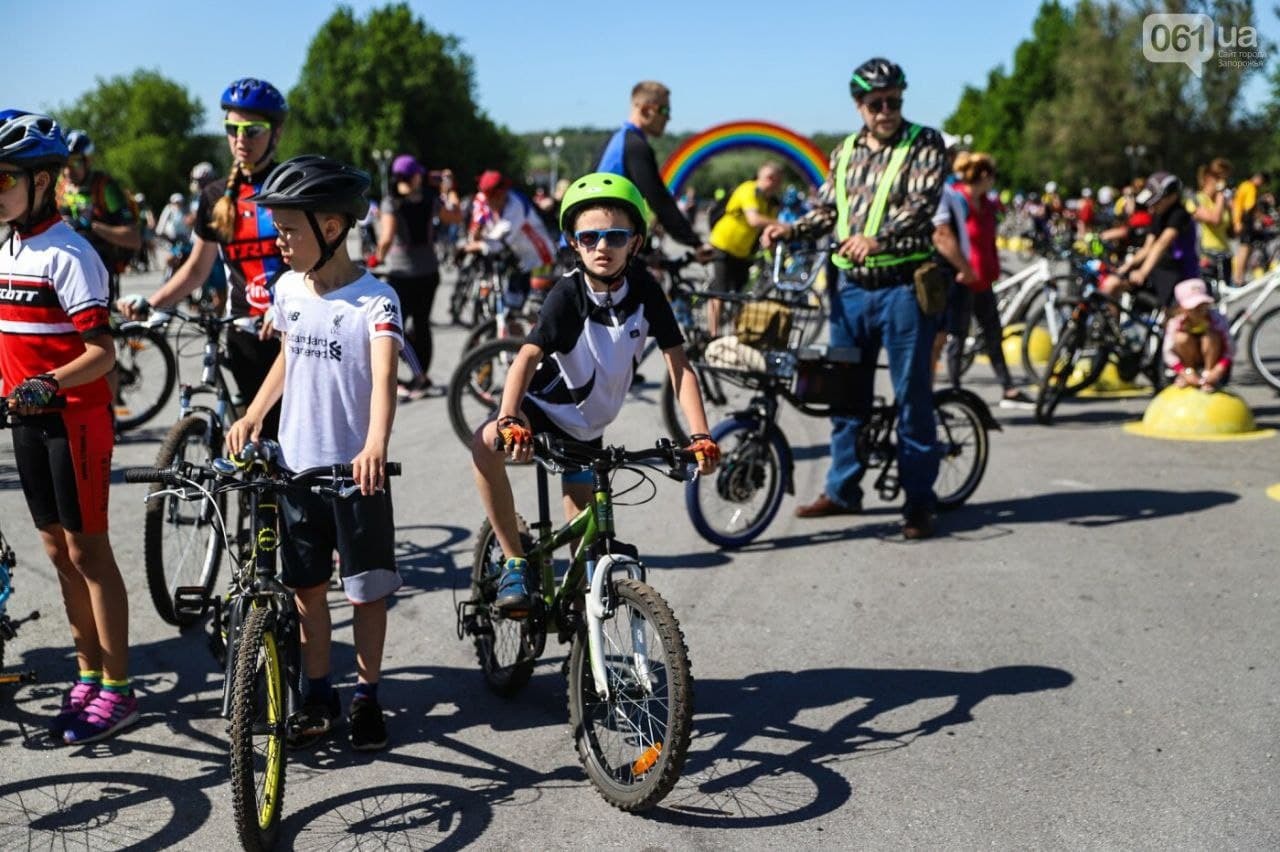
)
(879, 198)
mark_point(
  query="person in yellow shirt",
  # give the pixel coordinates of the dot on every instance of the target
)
(753, 205)
(1211, 209)
(1242, 209)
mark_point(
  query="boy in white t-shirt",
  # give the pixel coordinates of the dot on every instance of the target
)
(341, 334)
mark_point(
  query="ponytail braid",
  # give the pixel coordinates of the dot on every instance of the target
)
(223, 219)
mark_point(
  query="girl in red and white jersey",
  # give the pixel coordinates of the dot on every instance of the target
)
(55, 347)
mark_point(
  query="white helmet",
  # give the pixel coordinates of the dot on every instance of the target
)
(1050, 188)
(176, 198)
(1086, 193)
(1106, 195)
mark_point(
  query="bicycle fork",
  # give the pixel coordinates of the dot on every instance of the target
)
(599, 607)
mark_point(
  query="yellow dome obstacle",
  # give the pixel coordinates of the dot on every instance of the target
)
(1190, 414)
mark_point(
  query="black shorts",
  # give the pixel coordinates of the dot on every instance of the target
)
(1161, 282)
(729, 273)
(249, 360)
(64, 464)
(540, 423)
(361, 529)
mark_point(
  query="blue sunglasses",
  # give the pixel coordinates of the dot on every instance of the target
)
(613, 237)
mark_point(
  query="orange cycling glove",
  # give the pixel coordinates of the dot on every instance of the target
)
(514, 431)
(703, 448)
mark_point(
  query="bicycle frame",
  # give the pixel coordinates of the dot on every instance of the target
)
(591, 527)
(1264, 286)
(1024, 284)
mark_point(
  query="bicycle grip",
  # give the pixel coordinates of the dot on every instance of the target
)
(345, 471)
(143, 474)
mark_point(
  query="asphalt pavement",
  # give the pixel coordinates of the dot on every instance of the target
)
(1085, 657)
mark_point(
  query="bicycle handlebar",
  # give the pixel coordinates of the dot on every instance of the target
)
(572, 454)
(183, 471)
(12, 418)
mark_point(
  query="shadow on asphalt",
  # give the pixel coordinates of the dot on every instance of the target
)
(754, 761)
(766, 768)
(1085, 508)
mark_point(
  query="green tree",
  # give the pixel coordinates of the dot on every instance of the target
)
(391, 82)
(144, 129)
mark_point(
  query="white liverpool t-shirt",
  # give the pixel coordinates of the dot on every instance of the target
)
(328, 377)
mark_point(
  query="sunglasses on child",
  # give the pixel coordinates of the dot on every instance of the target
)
(613, 237)
(8, 180)
(249, 129)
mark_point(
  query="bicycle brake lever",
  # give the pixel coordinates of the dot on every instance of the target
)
(342, 493)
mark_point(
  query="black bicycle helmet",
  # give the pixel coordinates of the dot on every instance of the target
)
(78, 142)
(316, 184)
(876, 73)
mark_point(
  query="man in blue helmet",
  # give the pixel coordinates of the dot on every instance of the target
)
(879, 198)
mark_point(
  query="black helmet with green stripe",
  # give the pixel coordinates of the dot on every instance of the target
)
(876, 73)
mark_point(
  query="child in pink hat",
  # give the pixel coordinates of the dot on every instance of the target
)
(1197, 340)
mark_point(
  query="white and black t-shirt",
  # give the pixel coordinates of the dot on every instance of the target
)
(591, 343)
(328, 378)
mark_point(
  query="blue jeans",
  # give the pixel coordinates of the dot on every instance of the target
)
(889, 317)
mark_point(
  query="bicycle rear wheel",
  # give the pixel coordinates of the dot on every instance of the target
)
(733, 506)
(145, 371)
(633, 744)
(720, 398)
(258, 732)
(964, 444)
(1264, 347)
(181, 540)
(475, 389)
(505, 648)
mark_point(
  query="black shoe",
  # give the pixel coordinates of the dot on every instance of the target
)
(313, 722)
(917, 526)
(368, 730)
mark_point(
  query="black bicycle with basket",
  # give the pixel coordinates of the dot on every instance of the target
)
(773, 354)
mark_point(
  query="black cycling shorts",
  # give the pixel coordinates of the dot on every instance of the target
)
(361, 529)
(64, 464)
(729, 273)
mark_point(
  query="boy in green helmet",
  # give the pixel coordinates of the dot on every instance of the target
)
(572, 375)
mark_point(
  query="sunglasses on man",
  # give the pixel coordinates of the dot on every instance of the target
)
(614, 238)
(886, 104)
(248, 129)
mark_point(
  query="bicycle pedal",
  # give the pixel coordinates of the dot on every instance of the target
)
(191, 601)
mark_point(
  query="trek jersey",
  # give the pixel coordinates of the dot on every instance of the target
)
(252, 259)
(590, 345)
(53, 297)
(628, 153)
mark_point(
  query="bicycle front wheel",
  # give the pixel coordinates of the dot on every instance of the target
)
(182, 539)
(633, 743)
(145, 372)
(258, 732)
(963, 440)
(733, 506)
(1264, 347)
(475, 389)
(1072, 368)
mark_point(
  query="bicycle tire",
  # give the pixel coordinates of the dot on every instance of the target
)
(749, 465)
(1063, 360)
(962, 434)
(476, 380)
(507, 664)
(257, 709)
(1265, 365)
(1034, 319)
(133, 406)
(633, 783)
(164, 516)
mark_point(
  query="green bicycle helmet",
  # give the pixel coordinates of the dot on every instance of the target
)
(603, 188)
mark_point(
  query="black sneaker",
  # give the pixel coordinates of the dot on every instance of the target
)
(313, 722)
(368, 730)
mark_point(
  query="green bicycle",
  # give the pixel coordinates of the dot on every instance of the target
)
(630, 690)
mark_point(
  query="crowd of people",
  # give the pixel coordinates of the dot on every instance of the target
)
(912, 225)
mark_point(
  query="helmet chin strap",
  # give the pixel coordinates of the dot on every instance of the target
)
(608, 280)
(327, 250)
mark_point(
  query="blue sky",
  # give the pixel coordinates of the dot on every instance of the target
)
(565, 64)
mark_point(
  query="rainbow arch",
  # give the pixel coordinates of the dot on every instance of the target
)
(797, 150)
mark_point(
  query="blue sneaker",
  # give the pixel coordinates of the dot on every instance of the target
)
(513, 595)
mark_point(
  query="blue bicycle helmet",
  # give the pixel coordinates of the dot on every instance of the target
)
(78, 142)
(32, 141)
(250, 94)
